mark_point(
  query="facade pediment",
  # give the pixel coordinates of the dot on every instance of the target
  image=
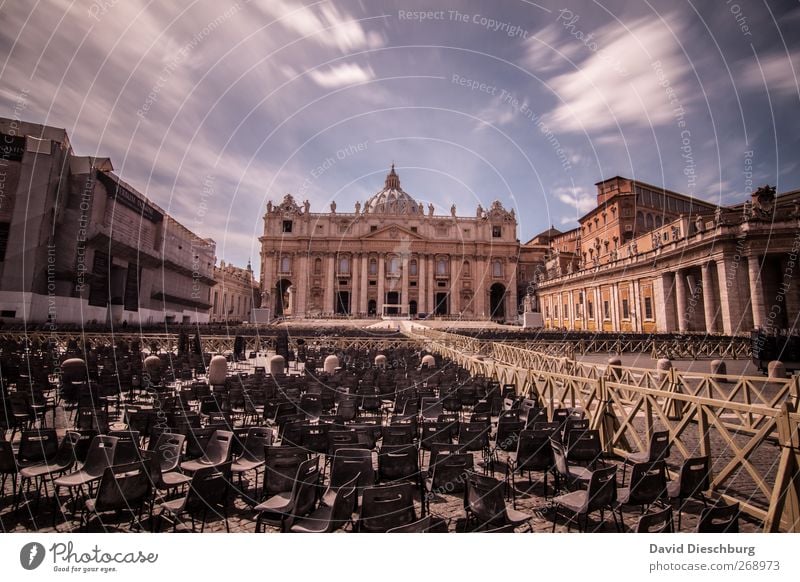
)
(392, 232)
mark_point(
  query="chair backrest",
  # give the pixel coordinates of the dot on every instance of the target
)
(602, 490)
(281, 464)
(449, 472)
(431, 407)
(66, 456)
(576, 424)
(197, 440)
(659, 446)
(648, 482)
(694, 476)
(559, 456)
(100, 455)
(37, 446)
(434, 433)
(719, 519)
(127, 450)
(387, 507)
(124, 486)
(656, 522)
(583, 445)
(342, 439)
(344, 504)
(485, 499)
(398, 434)
(8, 464)
(474, 436)
(349, 463)
(255, 442)
(168, 450)
(397, 462)
(218, 449)
(442, 450)
(208, 488)
(304, 491)
(508, 430)
(534, 451)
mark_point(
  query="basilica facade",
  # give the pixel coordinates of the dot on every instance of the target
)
(391, 256)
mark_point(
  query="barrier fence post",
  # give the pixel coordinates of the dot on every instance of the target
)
(784, 505)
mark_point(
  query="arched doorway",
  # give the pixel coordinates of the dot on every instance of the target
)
(283, 297)
(497, 297)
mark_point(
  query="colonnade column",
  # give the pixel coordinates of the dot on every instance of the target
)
(709, 297)
(354, 281)
(421, 280)
(680, 297)
(756, 290)
(362, 298)
(404, 284)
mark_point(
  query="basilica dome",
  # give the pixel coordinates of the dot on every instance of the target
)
(392, 199)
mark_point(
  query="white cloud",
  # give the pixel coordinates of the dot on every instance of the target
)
(617, 83)
(775, 72)
(342, 75)
(576, 197)
(326, 25)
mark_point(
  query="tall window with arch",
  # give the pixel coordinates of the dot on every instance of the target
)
(286, 264)
(373, 266)
(465, 269)
(394, 265)
(441, 266)
(412, 267)
(318, 266)
(344, 265)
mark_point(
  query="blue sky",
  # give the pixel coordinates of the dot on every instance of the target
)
(528, 103)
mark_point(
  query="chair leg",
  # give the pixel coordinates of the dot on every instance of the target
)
(555, 516)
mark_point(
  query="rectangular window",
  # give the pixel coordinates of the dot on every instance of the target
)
(497, 231)
(606, 310)
(590, 307)
(547, 311)
(412, 283)
(413, 229)
(373, 228)
(648, 308)
(8, 313)
(373, 283)
(625, 312)
(287, 226)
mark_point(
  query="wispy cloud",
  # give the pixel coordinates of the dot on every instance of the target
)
(576, 197)
(342, 75)
(326, 25)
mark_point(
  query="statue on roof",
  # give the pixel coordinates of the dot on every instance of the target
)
(453, 210)
(358, 207)
(430, 209)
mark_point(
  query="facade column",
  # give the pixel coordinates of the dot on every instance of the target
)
(422, 275)
(756, 290)
(329, 290)
(680, 298)
(511, 293)
(663, 287)
(354, 281)
(301, 297)
(362, 298)
(404, 284)
(454, 303)
(432, 288)
(381, 283)
(479, 289)
(268, 283)
(709, 303)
